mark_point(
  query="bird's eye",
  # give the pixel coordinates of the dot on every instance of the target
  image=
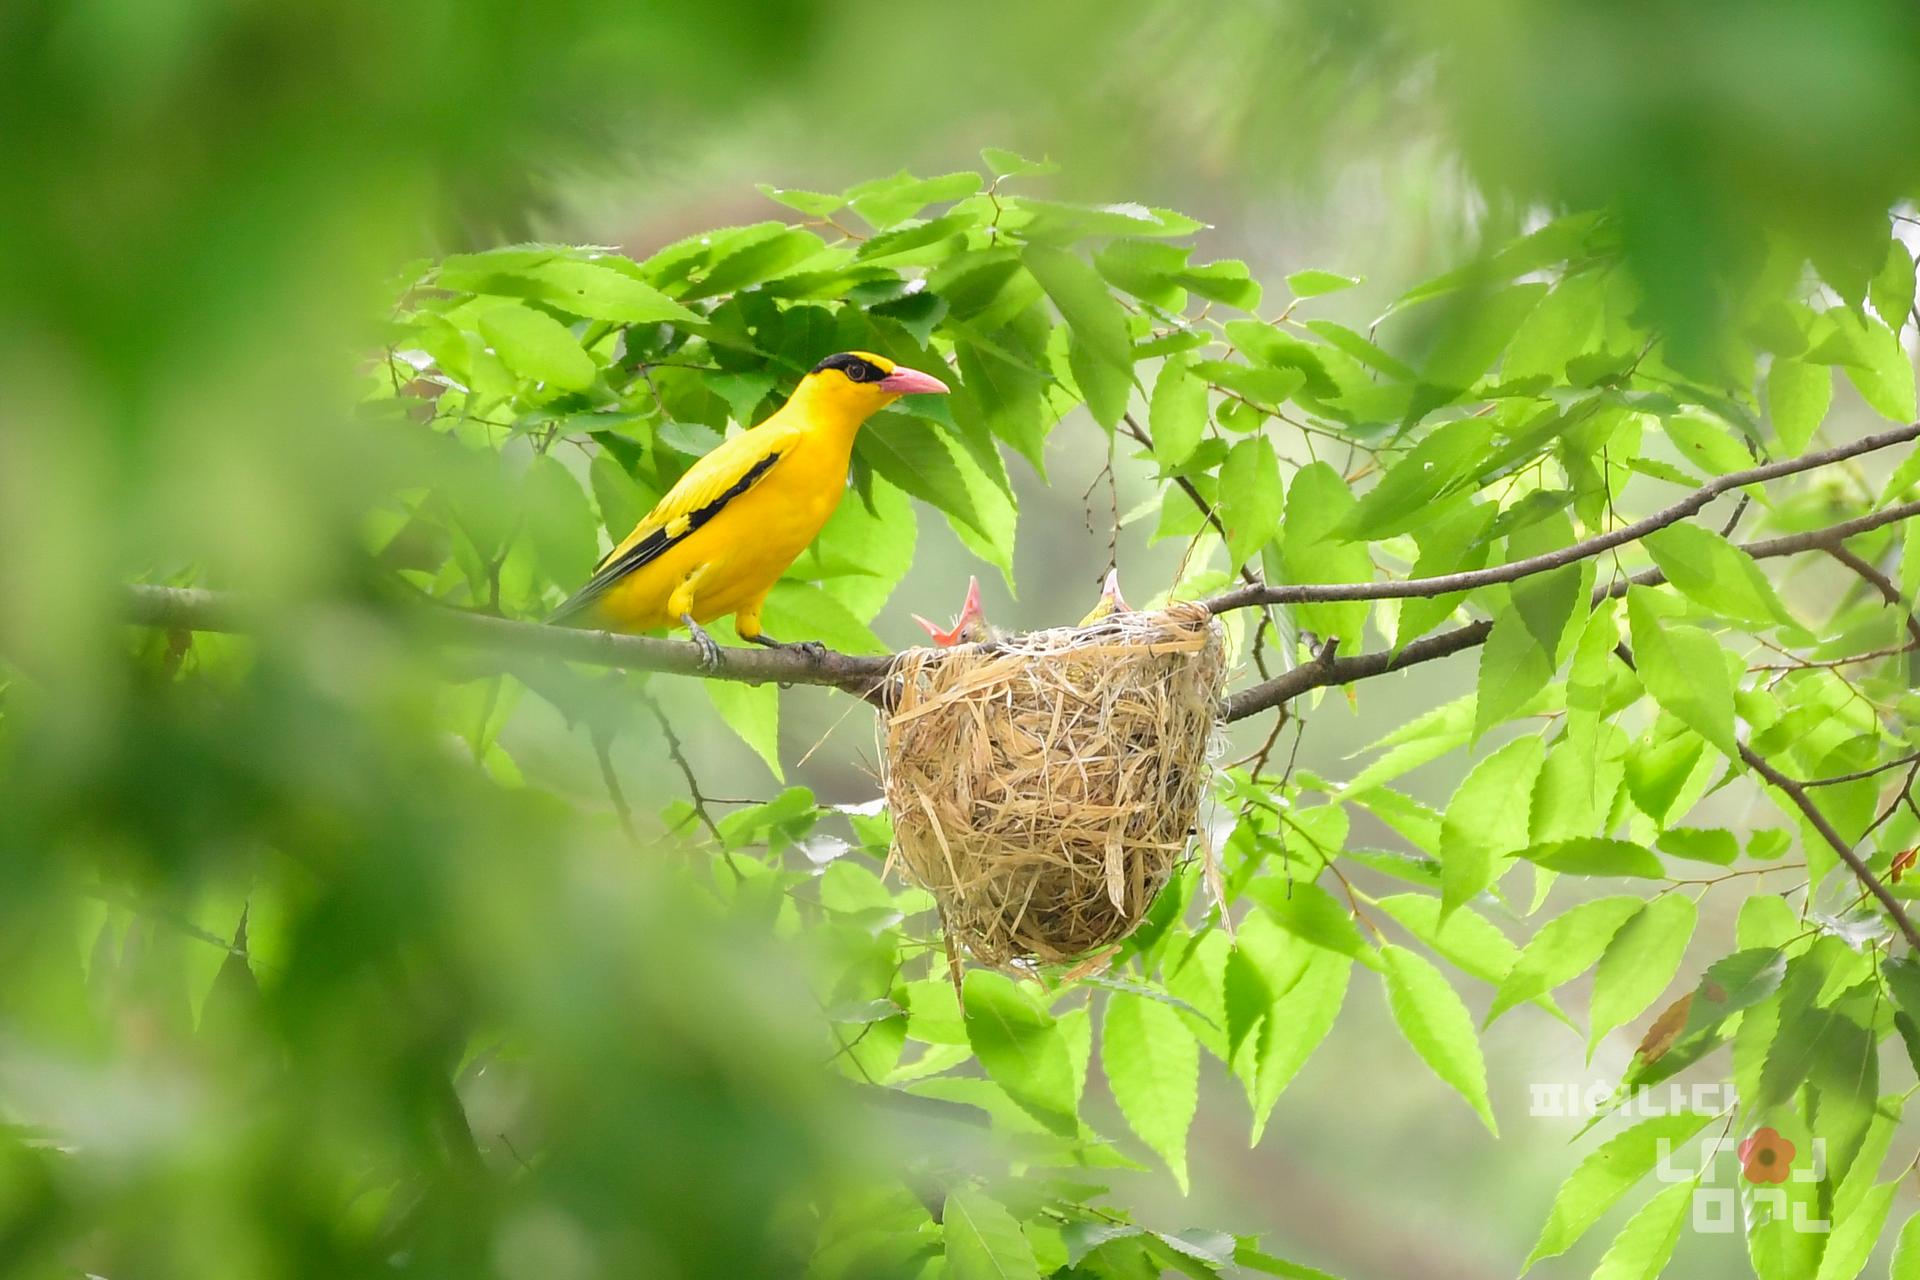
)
(857, 372)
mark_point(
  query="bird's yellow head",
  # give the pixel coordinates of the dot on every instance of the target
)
(858, 384)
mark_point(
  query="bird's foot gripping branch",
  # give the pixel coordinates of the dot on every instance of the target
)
(1679, 578)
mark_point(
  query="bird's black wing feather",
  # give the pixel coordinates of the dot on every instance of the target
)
(653, 546)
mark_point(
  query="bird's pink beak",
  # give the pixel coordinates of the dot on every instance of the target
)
(969, 614)
(911, 382)
(1111, 589)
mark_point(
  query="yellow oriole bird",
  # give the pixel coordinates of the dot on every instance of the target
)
(1110, 601)
(724, 534)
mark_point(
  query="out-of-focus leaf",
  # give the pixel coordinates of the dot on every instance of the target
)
(984, 1242)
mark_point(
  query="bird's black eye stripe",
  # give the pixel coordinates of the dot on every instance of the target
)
(854, 367)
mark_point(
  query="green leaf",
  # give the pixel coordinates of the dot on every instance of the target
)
(1311, 284)
(535, 345)
(1310, 913)
(1597, 856)
(1436, 1023)
(1177, 413)
(1706, 443)
(1855, 1235)
(1798, 395)
(1405, 496)
(921, 460)
(1640, 962)
(1011, 164)
(984, 1241)
(885, 201)
(1021, 1048)
(1906, 1253)
(1563, 950)
(814, 204)
(1892, 287)
(1095, 318)
(1884, 378)
(1152, 1063)
(802, 611)
(1645, 1245)
(602, 292)
(1682, 668)
(1293, 1028)
(1717, 574)
(752, 711)
(1317, 502)
(1486, 818)
(1250, 497)
(1608, 1173)
(566, 537)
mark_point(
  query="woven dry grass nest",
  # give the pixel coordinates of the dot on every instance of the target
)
(1043, 788)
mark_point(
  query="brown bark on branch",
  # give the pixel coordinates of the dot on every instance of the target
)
(1405, 588)
(195, 609)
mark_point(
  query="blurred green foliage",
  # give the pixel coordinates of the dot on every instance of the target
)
(319, 962)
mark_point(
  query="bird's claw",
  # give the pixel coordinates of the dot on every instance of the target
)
(709, 651)
(813, 649)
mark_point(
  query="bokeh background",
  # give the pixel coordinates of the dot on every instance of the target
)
(209, 204)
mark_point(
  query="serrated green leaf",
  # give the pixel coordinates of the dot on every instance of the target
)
(752, 711)
(1431, 1015)
(1906, 1252)
(1405, 496)
(1855, 1235)
(1596, 856)
(1021, 1048)
(1251, 497)
(535, 345)
(1640, 963)
(1311, 284)
(1682, 668)
(1717, 574)
(1310, 913)
(1486, 818)
(1607, 1173)
(1563, 950)
(1293, 1028)
(1152, 1064)
(920, 460)
(1177, 413)
(1317, 501)
(1645, 1245)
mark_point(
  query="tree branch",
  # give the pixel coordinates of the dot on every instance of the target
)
(1316, 675)
(195, 609)
(1446, 583)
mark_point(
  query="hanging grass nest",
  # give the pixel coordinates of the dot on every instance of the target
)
(1044, 788)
